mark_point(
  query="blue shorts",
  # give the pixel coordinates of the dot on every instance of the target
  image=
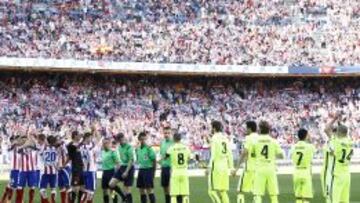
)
(48, 180)
(38, 176)
(14, 178)
(29, 179)
(64, 177)
(145, 178)
(89, 180)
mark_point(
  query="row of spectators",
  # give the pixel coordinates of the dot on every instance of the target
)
(60, 103)
(243, 32)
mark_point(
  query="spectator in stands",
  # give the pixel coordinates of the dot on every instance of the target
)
(248, 32)
(60, 104)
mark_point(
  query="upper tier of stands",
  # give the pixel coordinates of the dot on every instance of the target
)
(243, 32)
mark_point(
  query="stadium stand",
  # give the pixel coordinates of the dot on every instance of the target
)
(246, 32)
(59, 103)
(102, 68)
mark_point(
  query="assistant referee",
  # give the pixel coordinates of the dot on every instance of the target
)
(110, 161)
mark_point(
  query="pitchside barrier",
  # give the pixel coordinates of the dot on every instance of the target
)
(284, 168)
(93, 66)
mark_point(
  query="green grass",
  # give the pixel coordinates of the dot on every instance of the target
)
(198, 186)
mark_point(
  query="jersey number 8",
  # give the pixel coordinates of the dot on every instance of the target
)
(181, 160)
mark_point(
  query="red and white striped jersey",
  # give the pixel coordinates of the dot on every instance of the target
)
(50, 159)
(88, 155)
(28, 159)
(14, 159)
(63, 156)
(39, 164)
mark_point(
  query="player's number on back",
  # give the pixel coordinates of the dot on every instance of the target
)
(265, 151)
(300, 158)
(50, 156)
(224, 148)
(345, 155)
(181, 160)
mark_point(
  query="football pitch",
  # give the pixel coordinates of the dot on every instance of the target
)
(198, 187)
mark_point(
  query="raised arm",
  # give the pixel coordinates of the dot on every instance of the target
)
(230, 159)
(97, 136)
(329, 126)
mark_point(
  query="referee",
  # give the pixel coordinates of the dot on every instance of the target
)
(165, 163)
(126, 171)
(146, 159)
(110, 161)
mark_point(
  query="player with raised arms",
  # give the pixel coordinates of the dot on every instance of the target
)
(28, 175)
(64, 172)
(266, 150)
(329, 161)
(220, 166)
(49, 157)
(302, 154)
(179, 155)
(89, 149)
(341, 151)
(14, 172)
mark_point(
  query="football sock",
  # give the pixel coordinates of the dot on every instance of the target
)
(143, 198)
(152, 198)
(19, 195)
(240, 198)
(129, 198)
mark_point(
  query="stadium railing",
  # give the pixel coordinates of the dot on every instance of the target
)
(91, 66)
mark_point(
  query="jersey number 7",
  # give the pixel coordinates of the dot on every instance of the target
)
(300, 158)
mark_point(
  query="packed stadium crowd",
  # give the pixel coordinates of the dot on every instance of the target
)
(57, 104)
(246, 32)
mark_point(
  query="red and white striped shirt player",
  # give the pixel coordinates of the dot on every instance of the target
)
(14, 159)
(28, 175)
(50, 159)
(89, 154)
(39, 164)
(63, 156)
(14, 175)
(28, 159)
